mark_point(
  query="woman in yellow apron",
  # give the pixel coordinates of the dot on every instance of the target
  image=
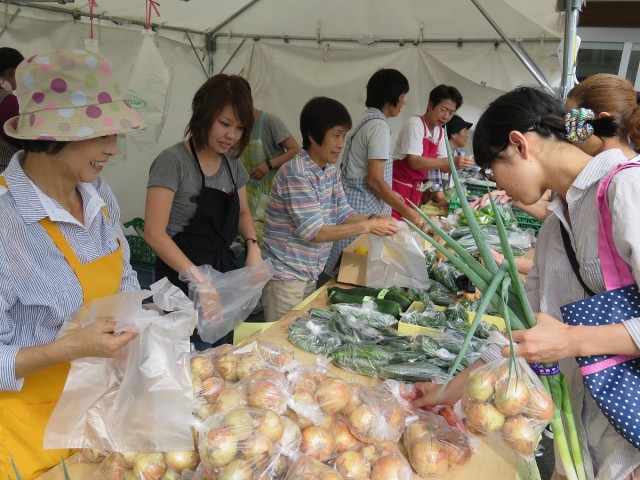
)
(60, 242)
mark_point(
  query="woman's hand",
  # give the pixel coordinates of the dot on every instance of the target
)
(548, 341)
(96, 340)
(499, 196)
(425, 394)
(382, 226)
(260, 171)
(254, 256)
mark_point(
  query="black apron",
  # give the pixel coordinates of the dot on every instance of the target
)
(207, 239)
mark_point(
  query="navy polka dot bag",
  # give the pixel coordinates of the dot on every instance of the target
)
(613, 380)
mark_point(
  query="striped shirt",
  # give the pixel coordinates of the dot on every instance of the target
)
(303, 199)
(38, 288)
(552, 284)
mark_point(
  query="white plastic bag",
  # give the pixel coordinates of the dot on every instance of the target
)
(237, 293)
(141, 399)
(149, 91)
(396, 260)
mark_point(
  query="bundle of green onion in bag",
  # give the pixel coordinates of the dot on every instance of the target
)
(502, 287)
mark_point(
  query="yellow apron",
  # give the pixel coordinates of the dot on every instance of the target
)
(24, 414)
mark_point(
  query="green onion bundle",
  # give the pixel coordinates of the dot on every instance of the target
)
(503, 288)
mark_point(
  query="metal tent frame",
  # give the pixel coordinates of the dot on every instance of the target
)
(571, 8)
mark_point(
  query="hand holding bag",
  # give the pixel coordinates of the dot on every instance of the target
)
(612, 380)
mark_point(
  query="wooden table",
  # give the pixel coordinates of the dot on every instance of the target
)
(492, 461)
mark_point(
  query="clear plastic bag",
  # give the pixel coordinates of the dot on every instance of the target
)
(149, 91)
(313, 335)
(147, 465)
(141, 399)
(396, 260)
(433, 447)
(237, 292)
(387, 462)
(513, 406)
(378, 416)
(307, 468)
(236, 363)
(245, 443)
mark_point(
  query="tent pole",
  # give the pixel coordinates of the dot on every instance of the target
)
(195, 52)
(6, 25)
(572, 7)
(235, 15)
(526, 61)
(116, 20)
(369, 41)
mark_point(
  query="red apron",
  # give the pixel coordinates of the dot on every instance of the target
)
(406, 179)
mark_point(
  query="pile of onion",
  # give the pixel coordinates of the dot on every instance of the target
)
(513, 406)
(240, 443)
(307, 468)
(387, 462)
(433, 447)
(148, 465)
(377, 417)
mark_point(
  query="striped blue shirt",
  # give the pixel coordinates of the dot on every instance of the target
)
(303, 199)
(38, 288)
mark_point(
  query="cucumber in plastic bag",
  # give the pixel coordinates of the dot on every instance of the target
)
(313, 336)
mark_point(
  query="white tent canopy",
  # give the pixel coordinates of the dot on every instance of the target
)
(292, 50)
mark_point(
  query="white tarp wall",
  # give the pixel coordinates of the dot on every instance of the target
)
(285, 75)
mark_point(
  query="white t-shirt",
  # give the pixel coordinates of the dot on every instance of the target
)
(409, 141)
(371, 142)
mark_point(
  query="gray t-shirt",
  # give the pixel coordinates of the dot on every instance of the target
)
(273, 134)
(176, 170)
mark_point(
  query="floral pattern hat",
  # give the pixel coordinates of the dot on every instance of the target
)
(70, 95)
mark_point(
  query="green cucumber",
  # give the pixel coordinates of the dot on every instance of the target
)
(338, 295)
(385, 293)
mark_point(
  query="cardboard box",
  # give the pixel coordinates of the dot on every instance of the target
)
(353, 266)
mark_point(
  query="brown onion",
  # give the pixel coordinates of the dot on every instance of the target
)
(485, 417)
(226, 366)
(363, 421)
(480, 384)
(317, 442)
(210, 388)
(391, 467)
(219, 448)
(511, 396)
(271, 425)
(150, 466)
(266, 394)
(344, 438)
(355, 400)
(428, 456)
(292, 436)
(353, 465)
(520, 434)
(182, 460)
(240, 422)
(540, 406)
(229, 399)
(333, 395)
(237, 470)
(248, 363)
(201, 366)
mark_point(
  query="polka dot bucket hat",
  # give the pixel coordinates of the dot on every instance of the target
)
(70, 95)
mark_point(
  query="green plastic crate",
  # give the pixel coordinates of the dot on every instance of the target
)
(141, 252)
(526, 221)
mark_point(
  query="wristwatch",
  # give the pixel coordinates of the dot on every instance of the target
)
(269, 164)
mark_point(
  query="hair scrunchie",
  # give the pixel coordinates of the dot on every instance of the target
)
(576, 127)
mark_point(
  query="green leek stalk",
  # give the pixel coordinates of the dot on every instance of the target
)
(518, 318)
